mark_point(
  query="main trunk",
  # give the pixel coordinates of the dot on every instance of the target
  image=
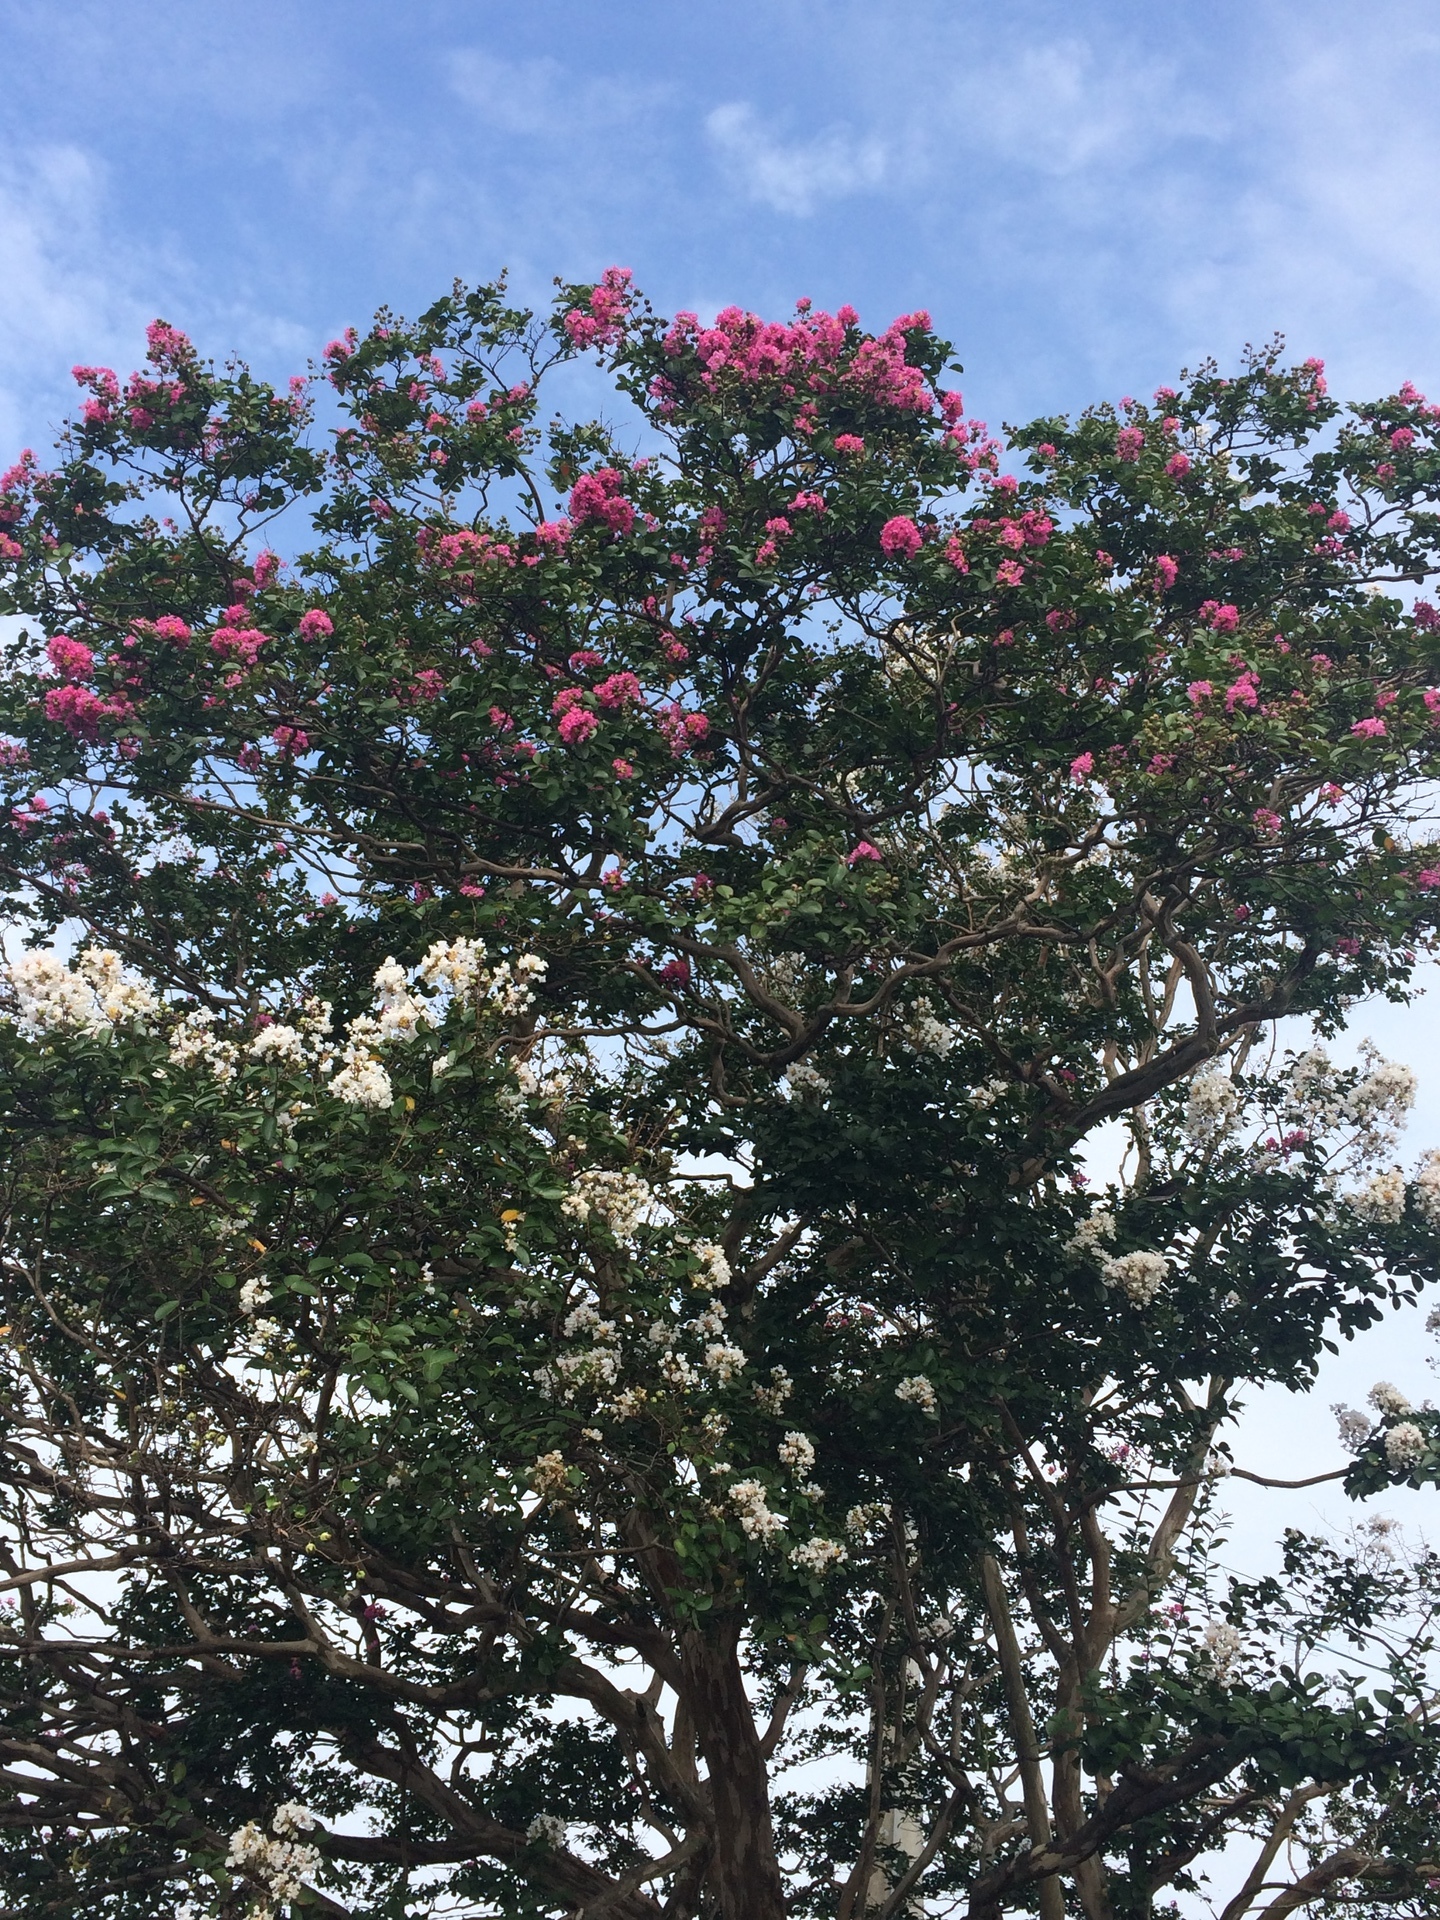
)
(744, 1873)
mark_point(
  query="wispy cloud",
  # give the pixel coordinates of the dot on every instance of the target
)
(792, 176)
(64, 294)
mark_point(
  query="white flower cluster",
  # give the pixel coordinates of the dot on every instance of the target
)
(797, 1452)
(618, 1200)
(254, 1294)
(862, 1518)
(917, 1391)
(1405, 1446)
(773, 1397)
(362, 1081)
(724, 1360)
(276, 1867)
(1382, 1199)
(1211, 1108)
(714, 1267)
(546, 1830)
(595, 1365)
(818, 1556)
(193, 1043)
(549, 1476)
(1387, 1400)
(1353, 1427)
(454, 964)
(802, 1081)
(1140, 1275)
(1223, 1647)
(95, 995)
(926, 1032)
(1375, 1107)
(749, 1499)
(1427, 1188)
(985, 1095)
(1087, 1237)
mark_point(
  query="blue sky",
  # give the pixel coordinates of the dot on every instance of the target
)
(1086, 197)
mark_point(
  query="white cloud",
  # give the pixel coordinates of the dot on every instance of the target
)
(511, 96)
(794, 176)
(63, 293)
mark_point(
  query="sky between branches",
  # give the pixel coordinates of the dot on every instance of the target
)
(1085, 198)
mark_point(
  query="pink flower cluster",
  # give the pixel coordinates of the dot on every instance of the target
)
(900, 538)
(1129, 443)
(241, 644)
(620, 690)
(1167, 571)
(1030, 529)
(461, 553)
(601, 321)
(316, 624)
(71, 659)
(682, 729)
(83, 713)
(1220, 617)
(597, 497)
(291, 742)
(817, 352)
(1243, 692)
(1373, 728)
(862, 850)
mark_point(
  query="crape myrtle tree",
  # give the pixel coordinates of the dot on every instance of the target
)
(558, 1354)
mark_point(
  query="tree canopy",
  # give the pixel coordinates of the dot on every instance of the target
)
(560, 1355)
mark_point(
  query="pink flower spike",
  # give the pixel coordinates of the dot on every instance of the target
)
(1081, 768)
(316, 624)
(623, 769)
(1267, 823)
(862, 851)
(1177, 466)
(1369, 729)
(1129, 443)
(1197, 691)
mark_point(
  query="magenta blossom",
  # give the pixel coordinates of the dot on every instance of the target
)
(862, 851)
(316, 624)
(71, 659)
(597, 497)
(900, 537)
(577, 725)
(1220, 618)
(1081, 768)
(1373, 728)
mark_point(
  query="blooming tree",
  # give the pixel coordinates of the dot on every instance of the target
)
(559, 1355)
